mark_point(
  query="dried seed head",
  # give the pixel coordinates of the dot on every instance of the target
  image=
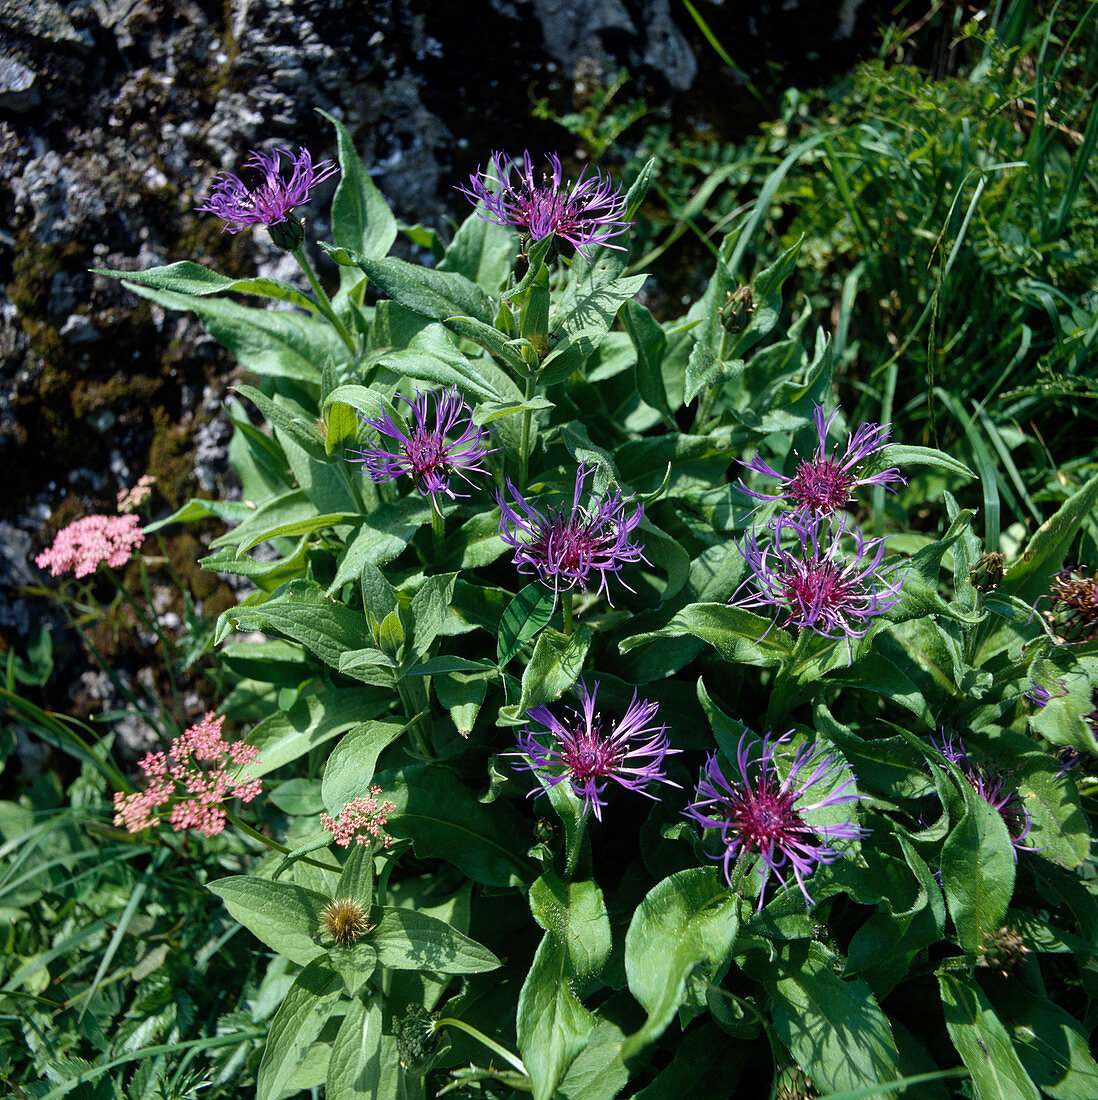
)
(345, 921)
(417, 1039)
(987, 574)
(1074, 614)
(1002, 950)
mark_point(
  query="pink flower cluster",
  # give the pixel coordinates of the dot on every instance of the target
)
(367, 814)
(179, 774)
(129, 500)
(89, 542)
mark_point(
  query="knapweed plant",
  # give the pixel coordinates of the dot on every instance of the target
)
(610, 741)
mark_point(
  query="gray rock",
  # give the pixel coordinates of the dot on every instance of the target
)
(45, 20)
(17, 85)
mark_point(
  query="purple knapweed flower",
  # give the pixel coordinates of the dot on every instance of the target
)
(564, 547)
(991, 785)
(820, 587)
(591, 751)
(761, 812)
(425, 452)
(587, 213)
(1041, 696)
(1069, 759)
(273, 199)
(825, 481)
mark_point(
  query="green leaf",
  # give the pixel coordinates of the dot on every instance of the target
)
(902, 455)
(350, 767)
(651, 344)
(523, 617)
(285, 917)
(436, 294)
(481, 251)
(383, 535)
(833, 1027)
(430, 609)
(302, 612)
(269, 342)
(978, 865)
(687, 921)
(982, 1042)
(1029, 577)
(230, 511)
(491, 339)
(356, 880)
(407, 940)
(575, 913)
(354, 1066)
(288, 417)
(554, 666)
(737, 635)
(706, 1063)
(444, 819)
(1053, 1048)
(287, 735)
(296, 1026)
(582, 328)
(597, 1072)
(186, 277)
(361, 219)
(552, 1024)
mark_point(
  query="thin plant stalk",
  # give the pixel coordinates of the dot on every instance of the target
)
(322, 300)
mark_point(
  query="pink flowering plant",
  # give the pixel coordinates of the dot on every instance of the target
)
(589, 668)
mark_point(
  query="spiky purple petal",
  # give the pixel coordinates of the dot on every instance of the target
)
(760, 812)
(565, 546)
(587, 213)
(811, 578)
(825, 482)
(425, 452)
(273, 199)
(590, 751)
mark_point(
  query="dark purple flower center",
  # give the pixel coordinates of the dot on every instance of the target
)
(765, 815)
(820, 589)
(821, 485)
(569, 543)
(589, 754)
(425, 452)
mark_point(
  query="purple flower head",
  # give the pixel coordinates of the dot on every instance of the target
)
(425, 453)
(592, 751)
(1069, 759)
(565, 546)
(587, 213)
(273, 199)
(760, 812)
(991, 786)
(825, 481)
(820, 587)
(1041, 695)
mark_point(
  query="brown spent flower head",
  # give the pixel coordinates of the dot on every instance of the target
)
(1074, 613)
(1002, 950)
(345, 921)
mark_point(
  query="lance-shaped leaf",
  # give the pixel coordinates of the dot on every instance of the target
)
(407, 940)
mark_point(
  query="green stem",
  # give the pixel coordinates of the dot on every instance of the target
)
(245, 828)
(420, 735)
(785, 682)
(322, 300)
(566, 611)
(524, 443)
(438, 530)
(491, 1044)
(168, 648)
